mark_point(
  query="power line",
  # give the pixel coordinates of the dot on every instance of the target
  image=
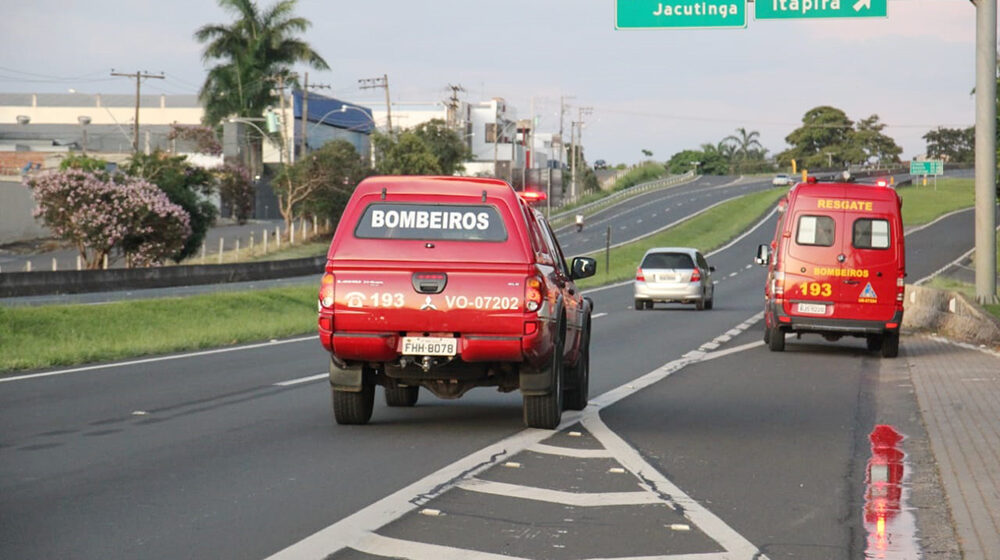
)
(138, 81)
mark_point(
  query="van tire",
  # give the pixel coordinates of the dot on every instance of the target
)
(776, 340)
(353, 407)
(402, 396)
(873, 342)
(578, 376)
(890, 344)
(545, 411)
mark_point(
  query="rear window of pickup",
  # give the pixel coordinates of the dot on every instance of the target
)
(431, 222)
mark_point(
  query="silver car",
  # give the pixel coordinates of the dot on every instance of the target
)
(674, 275)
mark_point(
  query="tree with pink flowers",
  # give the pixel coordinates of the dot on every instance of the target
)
(103, 214)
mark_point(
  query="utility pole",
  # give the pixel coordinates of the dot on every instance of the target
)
(383, 82)
(305, 111)
(452, 105)
(138, 82)
(581, 111)
(572, 161)
(986, 162)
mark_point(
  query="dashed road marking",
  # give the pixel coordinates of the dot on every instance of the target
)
(290, 382)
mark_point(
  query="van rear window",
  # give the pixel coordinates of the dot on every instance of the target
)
(871, 234)
(432, 222)
(815, 230)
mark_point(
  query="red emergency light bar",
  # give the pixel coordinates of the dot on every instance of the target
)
(532, 196)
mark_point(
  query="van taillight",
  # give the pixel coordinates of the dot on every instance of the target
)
(639, 276)
(326, 291)
(778, 284)
(900, 288)
(696, 275)
(533, 294)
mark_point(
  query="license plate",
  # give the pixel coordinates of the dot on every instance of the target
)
(814, 308)
(429, 346)
(667, 278)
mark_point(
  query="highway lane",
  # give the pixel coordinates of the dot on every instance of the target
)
(205, 457)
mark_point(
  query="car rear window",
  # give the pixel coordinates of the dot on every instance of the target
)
(431, 222)
(815, 230)
(871, 234)
(667, 260)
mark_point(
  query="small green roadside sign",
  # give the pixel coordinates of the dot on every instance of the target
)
(806, 9)
(680, 14)
(928, 167)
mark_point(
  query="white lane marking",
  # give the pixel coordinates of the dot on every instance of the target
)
(290, 382)
(733, 350)
(598, 315)
(716, 529)
(581, 499)
(731, 274)
(639, 221)
(569, 451)
(748, 232)
(955, 262)
(357, 530)
(158, 359)
(915, 229)
(747, 267)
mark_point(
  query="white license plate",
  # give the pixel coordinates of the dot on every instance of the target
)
(814, 308)
(429, 346)
(667, 277)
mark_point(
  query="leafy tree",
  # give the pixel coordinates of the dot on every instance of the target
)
(744, 150)
(822, 140)
(203, 138)
(83, 163)
(952, 144)
(445, 144)
(404, 154)
(236, 190)
(251, 50)
(99, 213)
(874, 146)
(709, 161)
(186, 185)
(647, 153)
(322, 181)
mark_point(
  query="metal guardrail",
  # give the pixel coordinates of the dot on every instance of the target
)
(623, 194)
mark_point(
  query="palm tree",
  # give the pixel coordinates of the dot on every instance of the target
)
(746, 144)
(254, 49)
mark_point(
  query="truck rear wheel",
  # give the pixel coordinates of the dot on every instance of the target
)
(545, 411)
(890, 344)
(578, 376)
(402, 396)
(353, 407)
(776, 339)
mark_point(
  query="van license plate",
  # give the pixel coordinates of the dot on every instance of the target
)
(814, 308)
(429, 346)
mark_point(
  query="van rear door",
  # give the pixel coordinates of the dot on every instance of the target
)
(872, 246)
(812, 266)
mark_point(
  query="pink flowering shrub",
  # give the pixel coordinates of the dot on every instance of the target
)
(99, 214)
(236, 190)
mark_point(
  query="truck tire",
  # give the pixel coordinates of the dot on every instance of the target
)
(776, 339)
(402, 396)
(545, 411)
(578, 376)
(890, 344)
(353, 407)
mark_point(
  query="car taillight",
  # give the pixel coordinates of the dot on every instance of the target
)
(639, 276)
(696, 275)
(326, 291)
(778, 284)
(533, 294)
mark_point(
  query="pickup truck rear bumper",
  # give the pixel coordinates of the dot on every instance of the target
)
(386, 347)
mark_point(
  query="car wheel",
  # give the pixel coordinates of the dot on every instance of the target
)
(711, 301)
(873, 342)
(640, 305)
(700, 304)
(402, 396)
(353, 407)
(890, 344)
(545, 411)
(776, 340)
(578, 376)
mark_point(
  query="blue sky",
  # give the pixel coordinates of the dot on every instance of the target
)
(662, 90)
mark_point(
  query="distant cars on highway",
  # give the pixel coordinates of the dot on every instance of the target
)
(782, 180)
(674, 275)
(600, 164)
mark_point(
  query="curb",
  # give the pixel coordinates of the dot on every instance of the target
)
(950, 314)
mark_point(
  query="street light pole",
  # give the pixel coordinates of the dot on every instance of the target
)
(986, 162)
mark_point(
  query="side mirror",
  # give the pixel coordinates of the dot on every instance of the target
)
(763, 255)
(583, 267)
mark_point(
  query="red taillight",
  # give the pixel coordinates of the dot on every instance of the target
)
(882, 183)
(326, 291)
(696, 275)
(533, 196)
(639, 276)
(533, 294)
(778, 284)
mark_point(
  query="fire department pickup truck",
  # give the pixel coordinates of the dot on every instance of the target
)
(450, 283)
(836, 265)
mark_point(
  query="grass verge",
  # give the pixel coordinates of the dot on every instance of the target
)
(924, 203)
(60, 335)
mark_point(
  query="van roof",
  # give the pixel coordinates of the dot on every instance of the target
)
(435, 185)
(844, 190)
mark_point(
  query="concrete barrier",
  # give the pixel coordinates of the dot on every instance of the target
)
(19, 284)
(950, 314)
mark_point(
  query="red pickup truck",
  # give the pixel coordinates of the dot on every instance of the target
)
(450, 283)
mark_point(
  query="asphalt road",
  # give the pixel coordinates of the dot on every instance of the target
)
(233, 453)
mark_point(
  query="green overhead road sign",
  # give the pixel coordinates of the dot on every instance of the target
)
(680, 14)
(797, 9)
(929, 167)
